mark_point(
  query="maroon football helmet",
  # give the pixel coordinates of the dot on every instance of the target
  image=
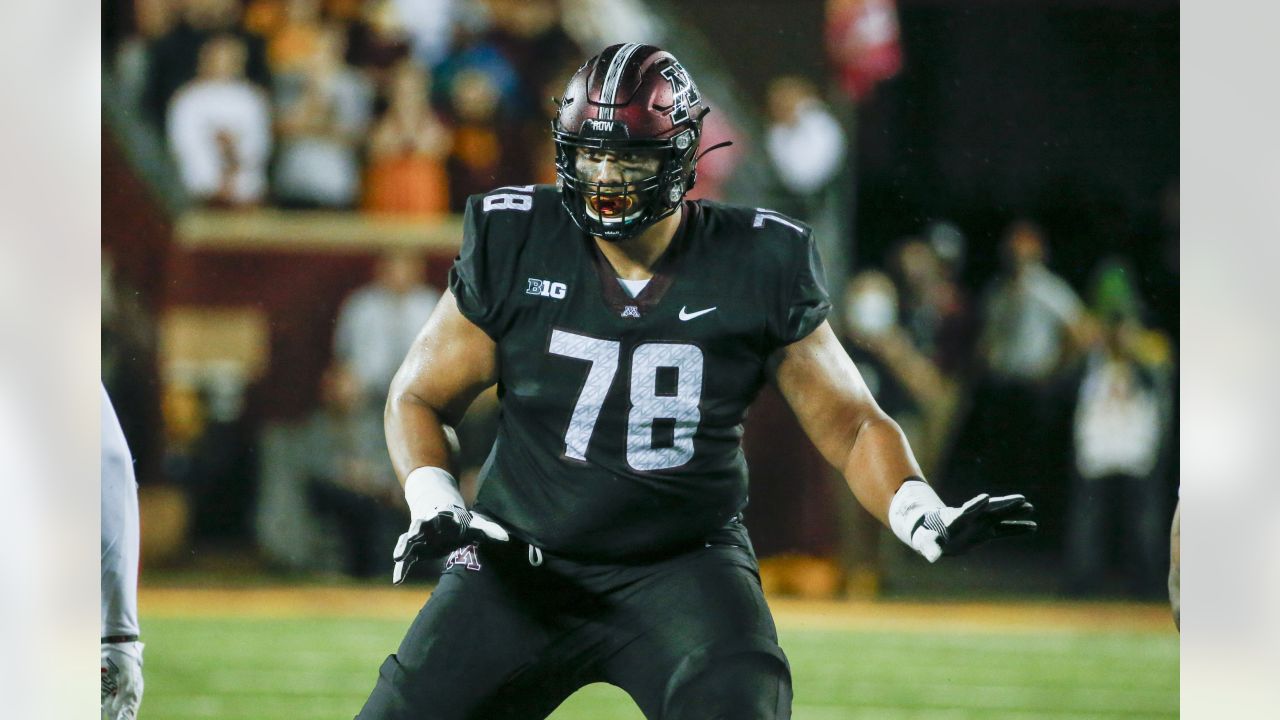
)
(630, 100)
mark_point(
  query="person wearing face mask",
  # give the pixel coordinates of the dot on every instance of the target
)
(905, 381)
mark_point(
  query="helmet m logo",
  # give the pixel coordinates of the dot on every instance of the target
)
(684, 94)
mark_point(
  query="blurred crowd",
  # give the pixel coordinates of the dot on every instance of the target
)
(388, 106)
(1028, 386)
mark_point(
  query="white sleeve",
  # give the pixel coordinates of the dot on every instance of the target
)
(346, 330)
(120, 535)
(255, 135)
(1054, 292)
(190, 144)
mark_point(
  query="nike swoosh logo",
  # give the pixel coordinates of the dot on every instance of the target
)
(691, 315)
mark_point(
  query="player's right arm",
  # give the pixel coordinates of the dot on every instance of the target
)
(451, 362)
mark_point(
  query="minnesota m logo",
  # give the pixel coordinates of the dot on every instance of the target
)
(465, 556)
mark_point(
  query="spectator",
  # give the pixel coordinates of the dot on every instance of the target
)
(904, 381)
(219, 128)
(805, 143)
(949, 244)
(1117, 498)
(1034, 322)
(529, 37)
(324, 112)
(1034, 325)
(377, 42)
(152, 20)
(295, 39)
(174, 57)
(349, 476)
(407, 150)
(210, 453)
(477, 161)
(529, 34)
(430, 26)
(378, 322)
(935, 311)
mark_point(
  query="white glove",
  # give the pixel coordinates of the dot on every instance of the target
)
(920, 519)
(439, 521)
(121, 680)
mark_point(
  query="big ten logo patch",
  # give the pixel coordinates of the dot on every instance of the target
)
(546, 288)
(464, 556)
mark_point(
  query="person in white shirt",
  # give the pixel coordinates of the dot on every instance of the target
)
(219, 128)
(121, 651)
(1034, 328)
(377, 323)
(804, 140)
(1119, 429)
(1032, 318)
(323, 117)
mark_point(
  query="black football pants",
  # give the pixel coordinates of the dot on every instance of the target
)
(688, 638)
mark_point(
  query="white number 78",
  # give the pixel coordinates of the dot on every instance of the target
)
(646, 404)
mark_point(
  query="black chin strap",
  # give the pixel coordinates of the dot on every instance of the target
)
(717, 146)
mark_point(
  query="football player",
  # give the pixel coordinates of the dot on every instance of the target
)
(121, 651)
(627, 330)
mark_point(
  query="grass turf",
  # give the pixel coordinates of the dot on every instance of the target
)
(323, 667)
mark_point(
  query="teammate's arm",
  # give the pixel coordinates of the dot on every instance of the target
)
(121, 656)
(843, 420)
(450, 363)
(1175, 565)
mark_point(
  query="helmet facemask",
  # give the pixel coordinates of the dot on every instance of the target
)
(645, 184)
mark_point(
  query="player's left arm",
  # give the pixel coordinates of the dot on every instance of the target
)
(842, 419)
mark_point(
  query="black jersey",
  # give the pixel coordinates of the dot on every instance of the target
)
(621, 418)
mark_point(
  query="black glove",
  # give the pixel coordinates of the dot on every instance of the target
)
(983, 518)
(920, 519)
(437, 536)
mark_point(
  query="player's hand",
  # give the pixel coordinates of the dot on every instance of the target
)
(439, 521)
(933, 529)
(121, 680)
(952, 531)
(447, 530)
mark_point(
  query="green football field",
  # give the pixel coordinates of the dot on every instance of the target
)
(322, 665)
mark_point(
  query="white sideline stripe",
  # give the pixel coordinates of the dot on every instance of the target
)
(613, 76)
